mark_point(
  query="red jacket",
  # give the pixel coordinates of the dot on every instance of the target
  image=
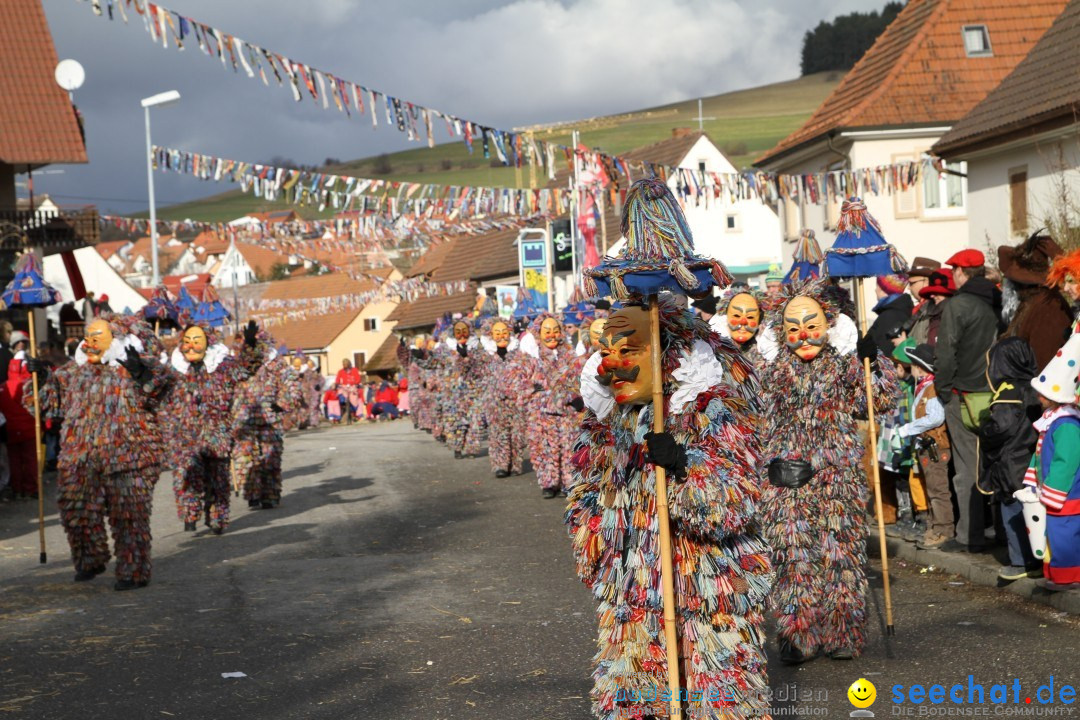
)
(348, 377)
(388, 394)
(20, 423)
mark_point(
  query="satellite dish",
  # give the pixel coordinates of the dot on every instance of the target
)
(69, 74)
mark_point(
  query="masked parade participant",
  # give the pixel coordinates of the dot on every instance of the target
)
(815, 498)
(197, 418)
(311, 387)
(258, 417)
(111, 447)
(710, 450)
(554, 403)
(740, 318)
(501, 398)
(463, 373)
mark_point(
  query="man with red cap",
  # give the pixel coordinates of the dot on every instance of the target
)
(939, 288)
(969, 326)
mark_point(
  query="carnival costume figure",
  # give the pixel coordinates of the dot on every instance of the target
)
(205, 378)
(554, 402)
(501, 398)
(739, 318)
(111, 445)
(710, 450)
(815, 496)
(258, 414)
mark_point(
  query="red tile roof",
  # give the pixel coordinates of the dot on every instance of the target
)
(316, 286)
(432, 259)
(424, 311)
(37, 122)
(385, 358)
(1042, 93)
(480, 257)
(261, 260)
(918, 73)
(313, 333)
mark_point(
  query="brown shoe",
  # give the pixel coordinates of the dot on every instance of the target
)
(932, 539)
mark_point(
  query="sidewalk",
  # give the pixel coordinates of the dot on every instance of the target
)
(980, 569)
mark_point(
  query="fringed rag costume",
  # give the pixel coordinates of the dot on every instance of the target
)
(111, 445)
(205, 379)
(815, 491)
(463, 364)
(721, 562)
(502, 396)
(553, 423)
(258, 417)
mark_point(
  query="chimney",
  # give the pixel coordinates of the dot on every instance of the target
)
(681, 132)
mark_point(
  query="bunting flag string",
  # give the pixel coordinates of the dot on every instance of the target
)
(364, 195)
(511, 147)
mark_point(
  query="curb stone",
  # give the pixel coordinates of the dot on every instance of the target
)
(979, 569)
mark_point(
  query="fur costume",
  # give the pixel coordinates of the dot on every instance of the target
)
(258, 426)
(553, 424)
(199, 428)
(461, 389)
(501, 401)
(721, 563)
(818, 531)
(110, 450)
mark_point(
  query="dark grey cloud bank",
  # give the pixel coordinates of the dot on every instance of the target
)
(498, 63)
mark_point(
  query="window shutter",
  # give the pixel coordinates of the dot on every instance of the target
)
(1018, 209)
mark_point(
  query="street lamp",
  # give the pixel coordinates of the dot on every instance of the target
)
(159, 100)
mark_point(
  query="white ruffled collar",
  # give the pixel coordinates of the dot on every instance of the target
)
(215, 354)
(116, 352)
(471, 344)
(698, 371)
(764, 337)
(490, 347)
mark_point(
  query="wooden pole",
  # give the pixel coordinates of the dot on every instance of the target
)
(889, 628)
(37, 445)
(667, 569)
(157, 327)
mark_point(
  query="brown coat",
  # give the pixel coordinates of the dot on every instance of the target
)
(939, 434)
(1044, 320)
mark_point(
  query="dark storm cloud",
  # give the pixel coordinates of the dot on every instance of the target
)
(499, 63)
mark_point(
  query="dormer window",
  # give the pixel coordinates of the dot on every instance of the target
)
(977, 41)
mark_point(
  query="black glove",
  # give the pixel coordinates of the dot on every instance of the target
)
(662, 450)
(276, 408)
(866, 348)
(37, 366)
(577, 403)
(134, 365)
(463, 350)
(537, 387)
(249, 334)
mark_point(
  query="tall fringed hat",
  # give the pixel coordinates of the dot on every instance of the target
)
(162, 308)
(526, 309)
(184, 301)
(807, 259)
(578, 310)
(659, 251)
(29, 288)
(860, 249)
(210, 312)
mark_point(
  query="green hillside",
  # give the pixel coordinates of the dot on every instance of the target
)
(743, 123)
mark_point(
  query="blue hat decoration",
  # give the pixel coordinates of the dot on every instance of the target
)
(860, 249)
(807, 259)
(28, 289)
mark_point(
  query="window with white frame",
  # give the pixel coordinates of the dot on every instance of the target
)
(945, 192)
(977, 41)
(371, 324)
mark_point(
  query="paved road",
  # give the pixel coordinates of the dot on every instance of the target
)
(396, 582)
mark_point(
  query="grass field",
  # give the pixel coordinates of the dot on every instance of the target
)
(743, 124)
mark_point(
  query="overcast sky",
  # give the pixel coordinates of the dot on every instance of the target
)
(500, 63)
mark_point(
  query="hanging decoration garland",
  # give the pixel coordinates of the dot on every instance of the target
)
(512, 148)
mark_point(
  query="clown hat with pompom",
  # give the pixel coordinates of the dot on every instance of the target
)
(659, 251)
(1059, 379)
(860, 250)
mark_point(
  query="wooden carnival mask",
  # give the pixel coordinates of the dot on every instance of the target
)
(551, 333)
(596, 330)
(626, 352)
(806, 329)
(744, 317)
(96, 341)
(500, 333)
(461, 332)
(193, 344)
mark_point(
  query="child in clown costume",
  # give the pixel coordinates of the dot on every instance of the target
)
(501, 398)
(1054, 474)
(815, 492)
(111, 446)
(258, 413)
(205, 378)
(710, 449)
(554, 402)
